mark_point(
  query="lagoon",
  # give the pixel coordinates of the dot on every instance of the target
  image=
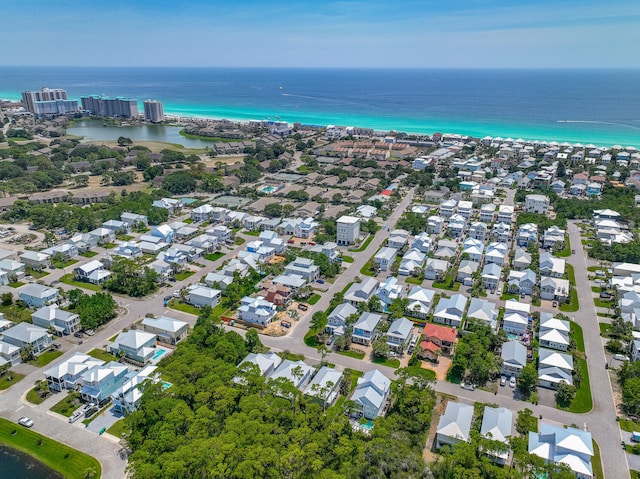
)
(93, 130)
(18, 465)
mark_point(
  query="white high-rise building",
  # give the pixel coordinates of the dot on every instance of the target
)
(29, 98)
(153, 111)
(348, 230)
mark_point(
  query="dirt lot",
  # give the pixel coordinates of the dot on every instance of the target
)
(441, 368)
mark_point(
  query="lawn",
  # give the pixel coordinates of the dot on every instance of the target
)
(572, 306)
(182, 275)
(576, 334)
(508, 296)
(314, 299)
(188, 221)
(9, 380)
(89, 254)
(184, 307)
(596, 289)
(635, 474)
(571, 276)
(629, 425)
(604, 329)
(596, 461)
(72, 464)
(566, 251)
(125, 237)
(412, 280)
(310, 338)
(68, 405)
(238, 241)
(603, 304)
(352, 354)
(118, 429)
(16, 313)
(449, 284)
(15, 284)
(45, 358)
(364, 245)
(347, 259)
(102, 355)
(214, 256)
(33, 397)
(367, 268)
(68, 279)
(389, 362)
(593, 269)
(252, 233)
(37, 274)
(582, 402)
(64, 264)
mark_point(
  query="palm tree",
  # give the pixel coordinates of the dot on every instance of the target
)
(90, 473)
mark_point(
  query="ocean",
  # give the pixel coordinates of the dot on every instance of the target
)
(587, 106)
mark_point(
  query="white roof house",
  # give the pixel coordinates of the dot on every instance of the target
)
(497, 424)
(371, 393)
(389, 290)
(570, 446)
(553, 368)
(360, 292)
(267, 363)
(554, 332)
(484, 311)
(256, 311)
(135, 344)
(325, 385)
(399, 333)
(450, 310)
(514, 358)
(338, 317)
(25, 334)
(167, 330)
(298, 372)
(454, 425)
(67, 374)
(420, 301)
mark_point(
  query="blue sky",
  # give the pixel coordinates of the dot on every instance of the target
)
(307, 33)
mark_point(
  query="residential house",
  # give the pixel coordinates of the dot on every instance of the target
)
(100, 382)
(487, 213)
(437, 340)
(199, 295)
(457, 226)
(304, 267)
(361, 292)
(325, 385)
(521, 282)
(256, 311)
(117, 226)
(454, 425)
(558, 186)
(514, 358)
(491, 274)
(348, 230)
(24, 335)
(422, 243)
(497, 424)
(293, 282)
(536, 204)
(165, 233)
(162, 268)
(388, 291)
(221, 232)
(412, 263)
(385, 258)
(136, 345)
(465, 209)
(133, 219)
(267, 363)
(37, 295)
(516, 317)
(126, 398)
(371, 393)
(483, 311)
(399, 334)
(553, 238)
(420, 302)
(9, 354)
(466, 271)
(436, 269)
(505, 214)
(551, 266)
(554, 288)
(501, 232)
(553, 332)
(450, 310)
(365, 328)
(270, 239)
(567, 446)
(553, 368)
(59, 321)
(66, 251)
(337, 319)
(12, 268)
(67, 374)
(398, 239)
(171, 205)
(473, 248)
(167, 330)
(521, 259)
(128, 249)
(91, 272)
(435, 225)
(448, 208)
(299, 227)
(478, 231)
(102, 236)
(527, 234)
(36, 260)
(297, 372)
(328, 249)
(495, 253)
(202, 213)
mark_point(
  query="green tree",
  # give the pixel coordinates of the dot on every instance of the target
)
(528, 380)
(252, 341)
(6, 299)
(565, 394)
(380, 349)
(124, 141)
(179, 183)
(631, 397)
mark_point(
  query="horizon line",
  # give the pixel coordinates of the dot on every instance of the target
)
(259, 67)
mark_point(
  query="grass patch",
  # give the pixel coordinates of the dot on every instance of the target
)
(536, 302)
(118, 429)
(413, 280)
(352, 354)
(216, 139)
(15, 284)
(88, 254)
(566, 251)
(449, 284)
(389, 362)
(37, 274)
(347, 259)
(68, 279)
(9, 380)
(629, 425)
(188, 221)
(602, 304)
(109, 245)
(572, 306)
(593, 269)
(596, 461)
(68, 405)
(604, 329)
(252, 233)
(367, 268)
(582, 402)
(64, 264)
(314, 299)
(184, 307)
(571, 276)
(214, 256)
(635, 474)
(576, 334)
(45, 358)
(508, 296)
(182, 275)
(125, 237)
(16, 313)
(34, 398)
(364, 245)
(72, 464)
(238, 241)
(102, 355)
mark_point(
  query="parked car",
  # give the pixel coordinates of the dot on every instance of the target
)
(329, 341)
(503, 380)
(468, 386)
(621, 357)
(555, 304)
(25, 421)
(303, 306)
(512, 382)
(605, 295)
(90, 332)
(78, 334)
(75, 416)
(635, 436)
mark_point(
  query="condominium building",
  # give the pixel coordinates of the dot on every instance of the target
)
(153, 111)
(110, 107)
(29, 98)
(348, 230)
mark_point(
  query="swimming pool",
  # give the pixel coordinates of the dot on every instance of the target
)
(268, 189)
(158, 353)
(166, 385)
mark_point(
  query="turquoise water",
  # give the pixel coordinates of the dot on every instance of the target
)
(586, 106)
(166, 385)
(158, 353)
(268, 189)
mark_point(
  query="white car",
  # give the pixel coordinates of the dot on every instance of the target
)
(469, 386)
(503, 380)
(75, 416)
(25, 421)
(512, 382)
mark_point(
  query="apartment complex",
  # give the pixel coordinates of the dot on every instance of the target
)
(110, 106)
(153, 111)
(48, 101)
